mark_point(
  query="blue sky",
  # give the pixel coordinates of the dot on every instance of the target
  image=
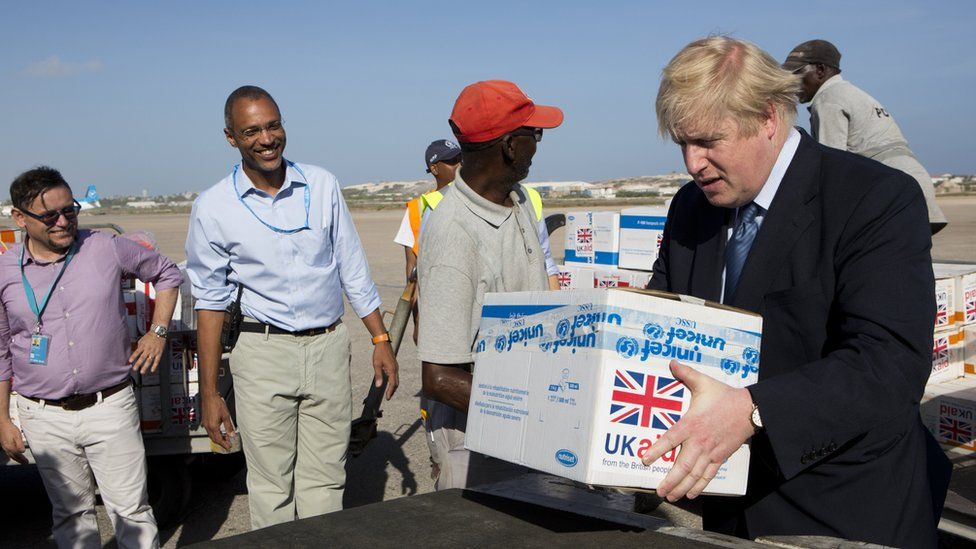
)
(129, 96)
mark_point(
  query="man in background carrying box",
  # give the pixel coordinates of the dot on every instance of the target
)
(481, 238)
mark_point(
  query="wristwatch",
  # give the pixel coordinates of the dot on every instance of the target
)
(755, 418)
(159, 330)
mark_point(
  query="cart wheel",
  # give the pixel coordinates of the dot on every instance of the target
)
(169, 489)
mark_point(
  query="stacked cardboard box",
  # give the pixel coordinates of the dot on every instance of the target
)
(174, 384)
(582, 278)
(592, 239)
(641, 232)
(948, 410)
(949, 403)
(140, 303)
(955, 318)
(9, 237)
(577, 384)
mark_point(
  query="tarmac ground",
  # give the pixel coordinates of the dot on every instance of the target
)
(396, 463)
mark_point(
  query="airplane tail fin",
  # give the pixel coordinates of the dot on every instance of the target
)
(91, 195)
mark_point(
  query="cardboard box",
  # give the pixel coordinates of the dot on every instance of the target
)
(948, 411)
(621, 278)
(184, 406)
(182, 410)
(592, 238)
(964, 290)
(945, 302)
(582, 278)
(129, 299)
(150, 409)
(181, 357)
(948, 350)
(575, 278)
(641, 232)
(576, 383)
(969, 349)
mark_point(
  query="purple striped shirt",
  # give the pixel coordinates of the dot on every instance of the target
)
(85, 316)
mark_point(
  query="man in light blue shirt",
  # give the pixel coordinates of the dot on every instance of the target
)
(281, 231)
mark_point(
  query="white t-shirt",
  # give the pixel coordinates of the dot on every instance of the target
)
(404, 236)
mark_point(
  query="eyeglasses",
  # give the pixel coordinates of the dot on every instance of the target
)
(50, 218)
(526, 131)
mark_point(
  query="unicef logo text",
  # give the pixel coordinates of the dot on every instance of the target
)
(627, 347)
(562, 329)
(500, 343)
(653, 331)
(750, 355)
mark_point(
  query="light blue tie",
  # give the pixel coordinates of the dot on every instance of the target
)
(737, 250)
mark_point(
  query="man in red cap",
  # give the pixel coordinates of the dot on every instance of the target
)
(481, 238)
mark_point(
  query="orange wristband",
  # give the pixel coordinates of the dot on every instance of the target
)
(385, 336)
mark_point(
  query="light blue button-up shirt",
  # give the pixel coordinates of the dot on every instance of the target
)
(292, 281)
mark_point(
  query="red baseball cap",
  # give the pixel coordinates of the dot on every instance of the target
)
(489, 109)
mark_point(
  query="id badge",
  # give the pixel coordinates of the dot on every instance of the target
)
(38, 348)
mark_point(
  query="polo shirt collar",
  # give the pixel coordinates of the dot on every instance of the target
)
(293, 178)
(832, 81)
(494, 214)
(29, 257)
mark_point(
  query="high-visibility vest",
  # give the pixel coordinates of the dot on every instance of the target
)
(416, 207)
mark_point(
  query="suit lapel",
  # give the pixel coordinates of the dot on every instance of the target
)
(706, 273)
(789, 215)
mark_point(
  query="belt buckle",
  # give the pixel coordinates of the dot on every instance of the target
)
(77, 402)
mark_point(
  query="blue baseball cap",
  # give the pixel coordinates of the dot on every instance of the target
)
(441, 150)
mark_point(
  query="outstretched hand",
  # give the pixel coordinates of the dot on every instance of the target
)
(715, 426)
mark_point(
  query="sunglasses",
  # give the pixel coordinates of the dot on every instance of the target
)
(526, 131)
(50, 218)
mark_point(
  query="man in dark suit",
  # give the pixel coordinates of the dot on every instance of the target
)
(833, 250)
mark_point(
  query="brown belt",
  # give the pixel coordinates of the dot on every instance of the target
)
(74, 403)
(260, 328)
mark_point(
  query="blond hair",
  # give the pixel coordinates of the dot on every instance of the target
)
(719, 78)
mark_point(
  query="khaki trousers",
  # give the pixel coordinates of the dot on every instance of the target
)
(104, 440)
(294, 409)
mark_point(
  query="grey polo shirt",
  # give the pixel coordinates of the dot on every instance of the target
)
(845, 117)
(471, 246)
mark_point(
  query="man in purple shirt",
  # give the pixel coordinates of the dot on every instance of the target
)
(65, 348)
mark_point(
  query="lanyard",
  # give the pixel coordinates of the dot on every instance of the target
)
(31, 300)
(265, 223)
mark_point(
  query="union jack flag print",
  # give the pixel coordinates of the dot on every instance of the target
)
(942, 309)
(184, 414)
(584, 236)
(955, 430)
(970, 306)
(565, 279)
(940, 352)
(610, 282)
(646, 400)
